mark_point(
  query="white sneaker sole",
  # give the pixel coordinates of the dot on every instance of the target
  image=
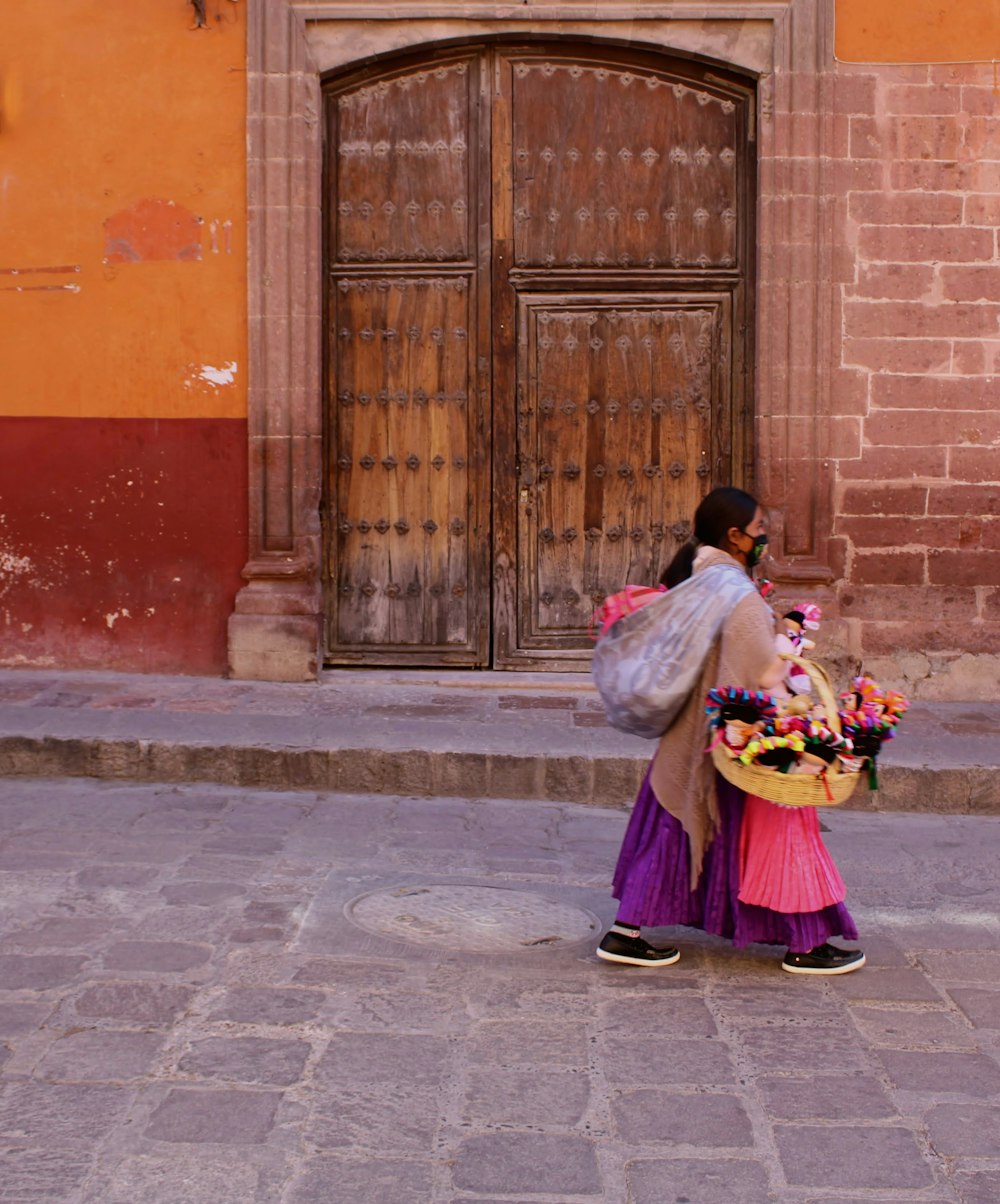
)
(848, 968)
(625, 960)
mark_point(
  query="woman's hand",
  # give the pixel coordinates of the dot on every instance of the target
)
(774, 675)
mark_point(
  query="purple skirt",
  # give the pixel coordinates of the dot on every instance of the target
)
(652, 882)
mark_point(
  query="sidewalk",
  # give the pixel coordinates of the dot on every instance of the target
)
(420, 733)
(211, 995)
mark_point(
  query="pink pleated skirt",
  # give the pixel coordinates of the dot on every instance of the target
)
(784, 863)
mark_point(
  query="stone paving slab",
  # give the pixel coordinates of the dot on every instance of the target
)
(189, 1013)
(421, 733)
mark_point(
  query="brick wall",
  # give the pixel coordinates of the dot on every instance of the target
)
(916, 348)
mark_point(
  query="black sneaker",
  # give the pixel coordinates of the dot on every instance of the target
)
(634, 951)
(824, 959)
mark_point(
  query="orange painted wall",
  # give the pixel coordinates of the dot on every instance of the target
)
(123, 435)
(120, 107)
(908, 31)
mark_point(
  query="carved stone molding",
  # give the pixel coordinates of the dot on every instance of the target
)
(275, 630)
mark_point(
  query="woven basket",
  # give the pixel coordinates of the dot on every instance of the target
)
(827, 789)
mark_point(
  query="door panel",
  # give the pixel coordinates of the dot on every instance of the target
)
(639, 171)
(403, 490)
(615, 445)
(402, 171)
(409, 478)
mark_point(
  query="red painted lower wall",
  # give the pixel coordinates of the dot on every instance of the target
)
(121, 541)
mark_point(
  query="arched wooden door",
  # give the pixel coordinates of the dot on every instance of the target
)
(539, 339)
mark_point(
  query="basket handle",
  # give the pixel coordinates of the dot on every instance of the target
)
(824, 688)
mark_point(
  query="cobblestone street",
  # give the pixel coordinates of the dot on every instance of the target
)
(210, 994)
(414, 417)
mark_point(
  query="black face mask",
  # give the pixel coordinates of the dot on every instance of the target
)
(756, 553)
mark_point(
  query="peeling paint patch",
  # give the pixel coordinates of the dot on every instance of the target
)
(112, 618)
(11, 564)
(207, 374)
(12, 567)
(19, 572)
(152, 229)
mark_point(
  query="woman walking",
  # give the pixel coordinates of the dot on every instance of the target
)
(698, 851)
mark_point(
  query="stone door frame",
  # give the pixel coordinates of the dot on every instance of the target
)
(275, 632)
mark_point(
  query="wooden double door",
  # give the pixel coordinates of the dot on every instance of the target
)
(539, 340)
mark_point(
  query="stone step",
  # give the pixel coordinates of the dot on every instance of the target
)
(523, 736)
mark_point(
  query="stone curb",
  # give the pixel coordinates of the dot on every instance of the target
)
(604, 781)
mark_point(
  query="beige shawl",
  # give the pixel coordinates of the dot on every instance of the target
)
(683, 778)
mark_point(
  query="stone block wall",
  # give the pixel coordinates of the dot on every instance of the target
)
(915, 203)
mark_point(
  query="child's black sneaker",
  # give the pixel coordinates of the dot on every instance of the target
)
(634, 951)
(824, 959)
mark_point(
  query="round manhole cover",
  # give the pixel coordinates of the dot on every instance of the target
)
(476, 918)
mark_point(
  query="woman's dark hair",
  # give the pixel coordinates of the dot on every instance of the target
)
(719, 510)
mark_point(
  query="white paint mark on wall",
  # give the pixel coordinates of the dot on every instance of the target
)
(215, 227)
(112, 618)
(39, 288)
(21, 277)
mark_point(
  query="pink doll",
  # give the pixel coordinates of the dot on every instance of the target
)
(792, 638)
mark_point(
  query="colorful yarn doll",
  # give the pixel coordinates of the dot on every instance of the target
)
(740, 724)
(822, 748)
(774, 752)
(869, 718)
(739, 715)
